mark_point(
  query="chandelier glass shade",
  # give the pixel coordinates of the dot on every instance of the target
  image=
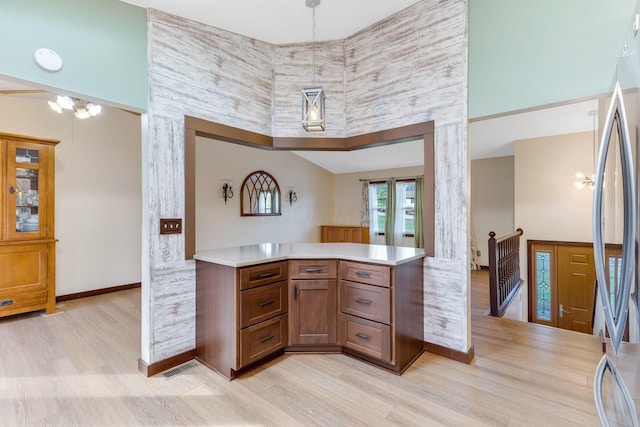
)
(313, 108)
(81, 109)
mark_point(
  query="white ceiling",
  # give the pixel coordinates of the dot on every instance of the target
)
(282, 21)
(386, 157)
(289, 21)
(495, 137)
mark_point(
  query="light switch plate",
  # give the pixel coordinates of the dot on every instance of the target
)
(170, 225)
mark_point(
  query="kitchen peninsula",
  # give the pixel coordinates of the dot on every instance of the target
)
(253, 303)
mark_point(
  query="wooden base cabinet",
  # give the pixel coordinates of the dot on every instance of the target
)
(381, 313)
(312, 302)
(27, 243)
(26, 283)
(241, 315)
(248, 315)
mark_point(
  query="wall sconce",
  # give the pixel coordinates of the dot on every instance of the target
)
(227, 192)
(293, 197)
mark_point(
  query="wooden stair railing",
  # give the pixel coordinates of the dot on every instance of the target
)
(504, 270)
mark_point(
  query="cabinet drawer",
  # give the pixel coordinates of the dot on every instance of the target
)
(313, 269)
(262, 303)
(370, 302)
(365, 336)
(262, 274)
(15, 302)
(366, 273)
(262, 339)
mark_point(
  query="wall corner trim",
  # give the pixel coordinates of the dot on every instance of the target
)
(163, 365)
(449, 353)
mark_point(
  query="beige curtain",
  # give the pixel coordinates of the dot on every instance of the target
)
(418, 220)
(364, 207)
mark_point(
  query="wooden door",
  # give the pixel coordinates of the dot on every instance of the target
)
(576, 285)
(312, 312)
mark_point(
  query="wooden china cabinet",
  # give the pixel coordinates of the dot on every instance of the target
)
(27, 243)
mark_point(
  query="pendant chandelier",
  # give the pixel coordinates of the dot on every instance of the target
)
(313, 96)
(585, 181)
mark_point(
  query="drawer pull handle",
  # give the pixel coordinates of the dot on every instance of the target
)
(266, 303)
(363, 301)
(363, 274)
(265, 339)
(363, 336)
(6, 302)
(313, 270)
(267, 275)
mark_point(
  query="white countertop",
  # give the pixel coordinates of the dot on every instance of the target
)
(241, 256)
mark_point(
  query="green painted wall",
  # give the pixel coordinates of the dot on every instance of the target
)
(103, 44)
(525, 53)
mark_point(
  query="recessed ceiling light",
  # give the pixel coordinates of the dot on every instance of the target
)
(48, 59)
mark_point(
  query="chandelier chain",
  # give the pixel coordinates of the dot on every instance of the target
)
(313, 26)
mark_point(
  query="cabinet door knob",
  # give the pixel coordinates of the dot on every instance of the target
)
(12, 190)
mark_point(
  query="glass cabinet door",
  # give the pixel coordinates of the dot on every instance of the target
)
(25, 195)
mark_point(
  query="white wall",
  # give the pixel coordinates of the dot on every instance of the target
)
(97, 191)
(516, 309)
(492, 200)
(219, 225)
(548, 206)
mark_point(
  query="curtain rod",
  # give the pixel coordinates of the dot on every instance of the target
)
(393, 177)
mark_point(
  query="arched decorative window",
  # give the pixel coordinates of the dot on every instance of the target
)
(260, 195)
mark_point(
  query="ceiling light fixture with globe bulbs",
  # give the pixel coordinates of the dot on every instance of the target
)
(81, 109)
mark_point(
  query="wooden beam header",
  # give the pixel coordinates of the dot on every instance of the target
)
(235, 135)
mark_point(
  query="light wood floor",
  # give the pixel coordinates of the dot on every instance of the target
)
(79, 367)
